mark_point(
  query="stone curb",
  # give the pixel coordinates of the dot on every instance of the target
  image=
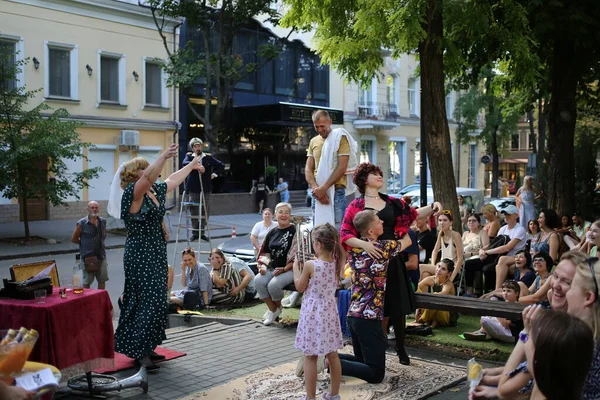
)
(72, 251)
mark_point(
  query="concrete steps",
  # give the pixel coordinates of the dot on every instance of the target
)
(298, 198)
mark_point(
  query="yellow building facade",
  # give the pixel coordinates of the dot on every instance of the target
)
(384, 120)
(100, 61)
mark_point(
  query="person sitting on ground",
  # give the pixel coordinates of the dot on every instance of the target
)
(475, 238)
(449, 245)
(247, 284)
(523, 275)
(441, 283)
(225, 279)
(557, 349)
(577, 234)
(275, 265)
(493, 225)
(261, 228)
(565, 224)
(367, 303)
(489, 256)
(501, 329)
(541, 261)
(195, 277)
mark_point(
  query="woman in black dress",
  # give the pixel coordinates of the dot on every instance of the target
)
(397, 217)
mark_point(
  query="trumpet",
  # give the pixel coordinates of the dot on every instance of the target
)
(99, 383)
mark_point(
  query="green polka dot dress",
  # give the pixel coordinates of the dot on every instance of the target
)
(144, 314)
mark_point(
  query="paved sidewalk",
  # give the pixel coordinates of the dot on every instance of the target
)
(61, 231)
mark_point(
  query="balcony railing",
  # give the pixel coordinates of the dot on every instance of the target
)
(377, 111)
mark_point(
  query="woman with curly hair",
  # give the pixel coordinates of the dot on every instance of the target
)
(397, 217)
(137, 199)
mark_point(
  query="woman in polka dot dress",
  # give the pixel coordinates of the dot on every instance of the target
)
(319, 332)
(143, 317)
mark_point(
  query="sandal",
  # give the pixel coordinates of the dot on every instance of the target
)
(477, 336)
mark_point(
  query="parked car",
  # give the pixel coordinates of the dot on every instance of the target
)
(473, 197)
(242, 248)
(406, 189)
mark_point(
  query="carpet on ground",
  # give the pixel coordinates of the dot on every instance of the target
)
(417, 381)
(123, 362)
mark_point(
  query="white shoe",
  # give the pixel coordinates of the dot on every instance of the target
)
(269, 318)
(291, 301)
(392, 334)
(266, 314)
(277, 313)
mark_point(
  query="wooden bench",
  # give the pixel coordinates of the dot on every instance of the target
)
(470, 306)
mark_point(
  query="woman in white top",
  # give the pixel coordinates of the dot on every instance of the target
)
(451, 246)
(261, 228)
(475, 238)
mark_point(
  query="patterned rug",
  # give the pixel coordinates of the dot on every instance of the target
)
(417, 381)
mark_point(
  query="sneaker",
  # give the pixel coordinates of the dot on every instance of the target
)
(327, 396)
(300, 367)
(392, 334)
(291, 300)
(270, 318)
(277, 313)
(204, 238)
(193, 238)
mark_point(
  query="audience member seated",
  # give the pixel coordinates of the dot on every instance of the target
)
(533, 231)
(523, 274)
(548, 240)
(247, 275)
(560, 282)
(195, 277)
(475, 238)
(226, 280)
(583, 302)
(497, 328)
(542, 263)
(261, 228)
(577, 234)
(493, 225)
(440, 283)
(449, 245)
(425, 239)
(275, 265)
(488, 257)
(555, 349)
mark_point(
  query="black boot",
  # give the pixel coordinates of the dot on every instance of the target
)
(399, 325)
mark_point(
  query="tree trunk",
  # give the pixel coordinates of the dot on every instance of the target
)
(25, 217)
(495, 162)
(561, 129)
(434, 111)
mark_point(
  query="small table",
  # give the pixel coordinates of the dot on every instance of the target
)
(76, 333)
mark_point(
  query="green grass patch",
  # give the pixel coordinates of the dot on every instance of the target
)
(448, 337)
(444, 339)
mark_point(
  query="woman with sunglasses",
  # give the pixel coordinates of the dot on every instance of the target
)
(448, 245)
(195, 277)
(583, 301)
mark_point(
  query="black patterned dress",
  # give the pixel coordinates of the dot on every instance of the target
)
(143, 317)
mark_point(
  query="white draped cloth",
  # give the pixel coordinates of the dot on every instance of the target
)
(327, 164)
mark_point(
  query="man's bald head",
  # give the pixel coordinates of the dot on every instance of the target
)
(93, 208)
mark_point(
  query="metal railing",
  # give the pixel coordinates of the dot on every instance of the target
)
(377, 111)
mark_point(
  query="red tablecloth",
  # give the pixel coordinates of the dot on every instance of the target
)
(76, 333)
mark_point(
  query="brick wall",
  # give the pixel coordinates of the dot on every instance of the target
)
(9, 213)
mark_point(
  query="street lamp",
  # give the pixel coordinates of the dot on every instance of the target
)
(89, 69)
(36, 63)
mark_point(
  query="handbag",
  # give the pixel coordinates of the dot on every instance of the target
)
(92, 264)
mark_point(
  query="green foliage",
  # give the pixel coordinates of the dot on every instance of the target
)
(210, 57)
(270, 171)
(28, 136)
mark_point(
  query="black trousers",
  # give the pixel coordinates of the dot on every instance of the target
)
(487, 267)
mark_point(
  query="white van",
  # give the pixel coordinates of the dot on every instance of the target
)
(473, 197)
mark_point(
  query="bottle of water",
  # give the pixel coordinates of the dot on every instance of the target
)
(78, 275)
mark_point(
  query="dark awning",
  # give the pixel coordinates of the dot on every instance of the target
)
(283, 114)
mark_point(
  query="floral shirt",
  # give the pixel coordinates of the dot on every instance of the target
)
(368, 280)
(404, 216)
